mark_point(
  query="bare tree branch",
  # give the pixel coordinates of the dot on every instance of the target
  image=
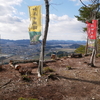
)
(83, 3)
(40, 67)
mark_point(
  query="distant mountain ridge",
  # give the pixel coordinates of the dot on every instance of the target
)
(23, 49)
(27, 41)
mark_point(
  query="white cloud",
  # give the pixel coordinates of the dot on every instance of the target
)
(65, 28)
(16, 30)
(9, 19)
(6, 10)
(10, 2)
(11, 26)
(21, 13)
(7, 6)
(14, 27)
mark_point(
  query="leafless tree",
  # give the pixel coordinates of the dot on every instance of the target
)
(40, 67)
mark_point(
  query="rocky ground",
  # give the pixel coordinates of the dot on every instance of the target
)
(64, 79)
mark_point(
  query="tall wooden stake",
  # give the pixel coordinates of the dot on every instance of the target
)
(93, 58)
(86, 48)
(40, 67)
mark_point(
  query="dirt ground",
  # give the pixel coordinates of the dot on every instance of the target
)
(81, 82)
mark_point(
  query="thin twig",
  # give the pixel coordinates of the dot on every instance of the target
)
(6, 83)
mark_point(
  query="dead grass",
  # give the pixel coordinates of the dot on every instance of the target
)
(82, 82)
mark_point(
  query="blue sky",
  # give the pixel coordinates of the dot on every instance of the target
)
(14, 19)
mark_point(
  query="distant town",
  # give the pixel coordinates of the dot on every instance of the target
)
(22, 50)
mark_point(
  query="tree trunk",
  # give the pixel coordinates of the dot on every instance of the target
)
(40, 67)
(86, 48)
(92, 58)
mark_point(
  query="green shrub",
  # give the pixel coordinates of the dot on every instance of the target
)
(47, 69)
(81, 49)
(98, 55)
(68, 67)
(26, 78)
